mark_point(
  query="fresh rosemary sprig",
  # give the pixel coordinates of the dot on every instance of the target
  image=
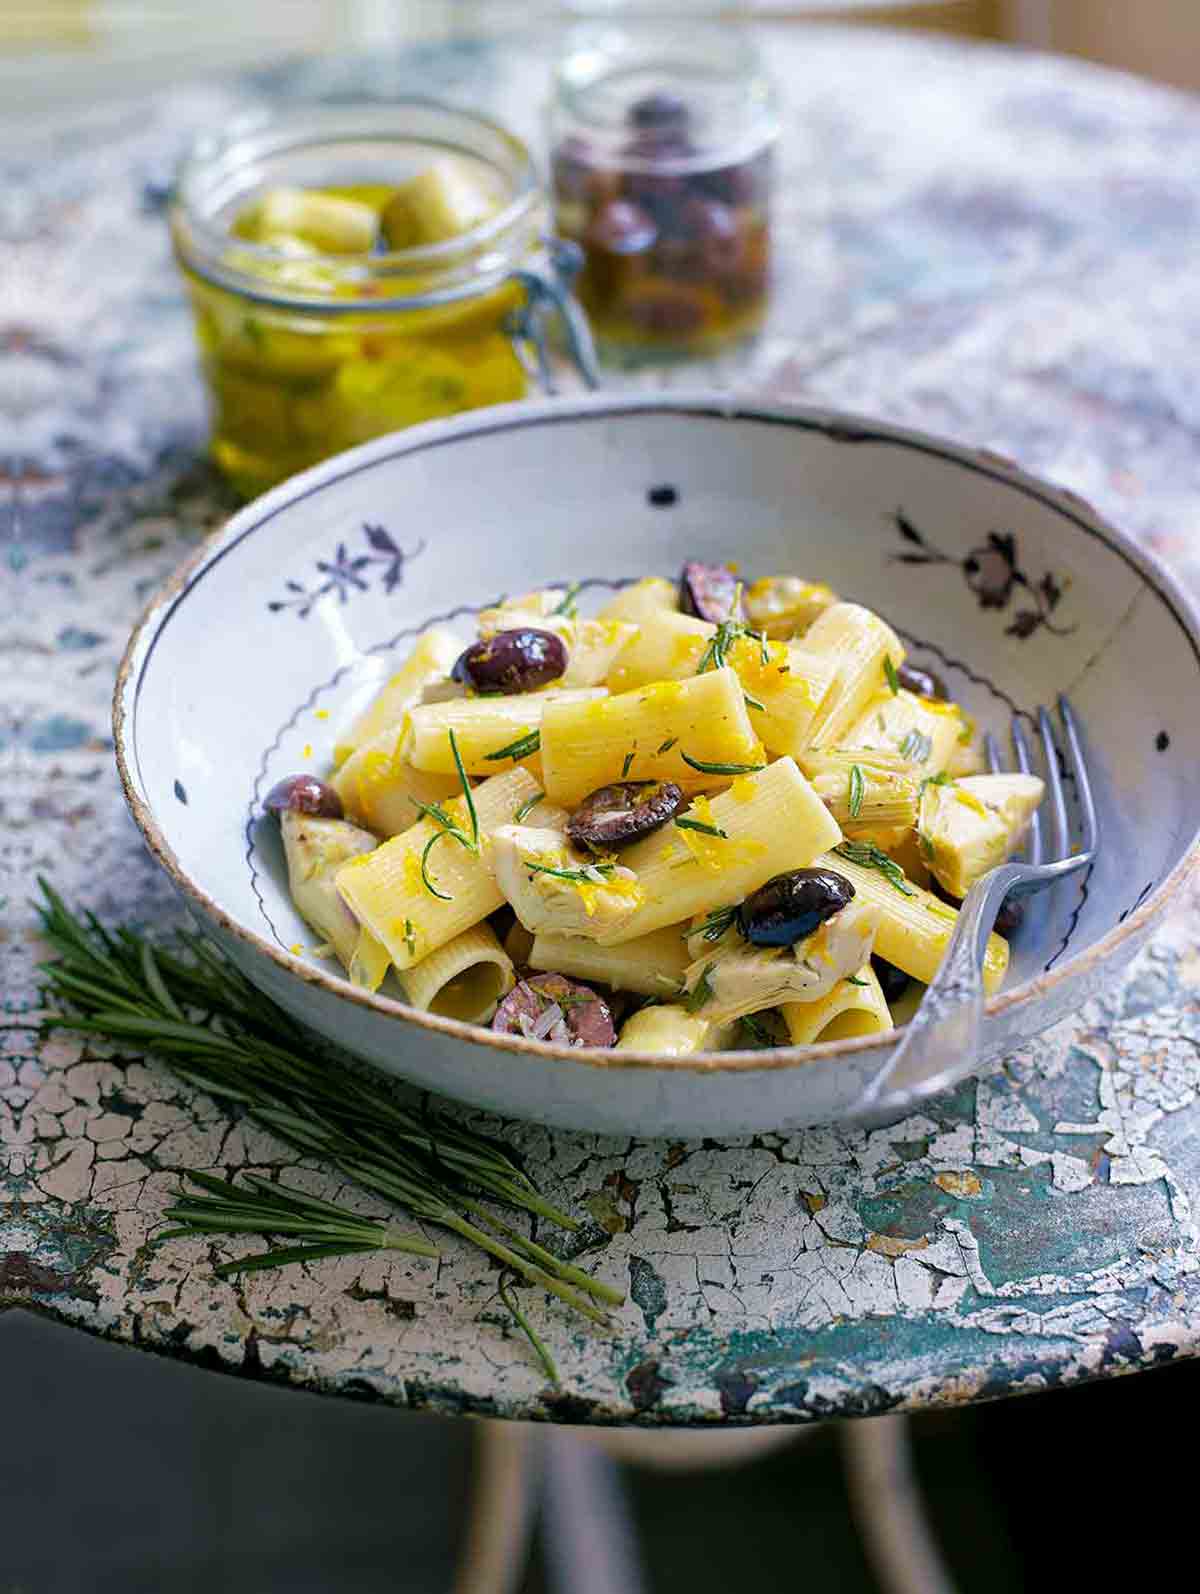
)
(868, 856)
(889, 670)
(665, 747)
(857, 791)
(521, 748)
(853, 979)
(220, 1034)
(627, 764)
(722, 769)
(268, 1208)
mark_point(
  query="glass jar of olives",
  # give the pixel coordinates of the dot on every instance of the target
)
(353, 270)
(661, 170)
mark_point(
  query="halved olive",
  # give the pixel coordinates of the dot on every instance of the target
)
(626, 811)
(791, 906)
(923, 682)
(512, 661)
(303, 794)
(550, 1007)
(708, 591)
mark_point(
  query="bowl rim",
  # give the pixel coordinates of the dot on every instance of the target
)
(837, 425)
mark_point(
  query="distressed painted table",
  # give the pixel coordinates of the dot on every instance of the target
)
(991, 245)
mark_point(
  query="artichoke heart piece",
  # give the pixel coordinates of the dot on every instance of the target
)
(333, 225)
(554, 890)
(864, 788)
(315, 849)
(969, 826)
(738, 979)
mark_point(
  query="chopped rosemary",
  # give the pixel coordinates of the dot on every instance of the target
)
(449, 825)
(868, 856)
(577, 876)
(521, 748)
(757, 1031)
(721, 769)
(528, 806)
(668, 744)
(568, 606)
(702, 992)
(853, 979)
(410, 938)
(716, 922)
(720, 645)
(752, 702)
(857, 791)
(916, 746)
(627, 764)
(219, 1033)
(706, 830)
(940, 779)
(889, 669)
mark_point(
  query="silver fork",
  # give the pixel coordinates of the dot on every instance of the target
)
(941, 1043)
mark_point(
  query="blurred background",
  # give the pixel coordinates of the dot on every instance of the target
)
(122, 1474)
(54, 52)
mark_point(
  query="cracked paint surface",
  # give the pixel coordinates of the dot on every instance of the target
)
(1035, 1228)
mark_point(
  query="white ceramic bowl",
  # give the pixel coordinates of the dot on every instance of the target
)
(286, 622)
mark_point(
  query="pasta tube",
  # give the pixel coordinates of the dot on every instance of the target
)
(644, 735)
(854, 1007)
(484, 728)
(463, 979)
(651, 965)
(920, 729)
(668, 647)
(432, 657)
(387, 891)
(381, 790)
(858, 643)
(914, 926)
(668, 1029)
(772, 821)
(648, 599)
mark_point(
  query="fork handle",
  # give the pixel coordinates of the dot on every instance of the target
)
(941, 1043)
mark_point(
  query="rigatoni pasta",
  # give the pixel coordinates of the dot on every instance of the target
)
(699, 819)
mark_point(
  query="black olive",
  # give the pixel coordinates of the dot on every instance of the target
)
(659, 110)
(893, 982)
(585, 1014)
(923, 682)
(626, 811)
(791, 906)
(708, 591)
(621, 228)
(303, 794)
(1011, 916)
(512, 661)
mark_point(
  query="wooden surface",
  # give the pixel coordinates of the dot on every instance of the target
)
(1031, 1230)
